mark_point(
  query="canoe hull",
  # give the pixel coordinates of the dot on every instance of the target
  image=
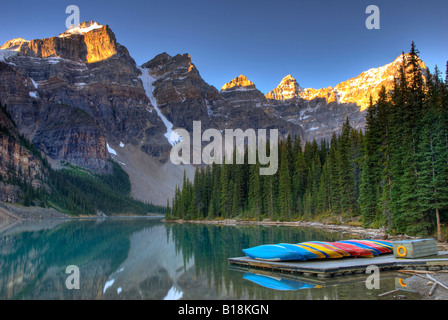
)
(306, 253)
(273, 253)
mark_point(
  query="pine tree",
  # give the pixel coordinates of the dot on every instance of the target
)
(433, 174)
(298, 186)
(346, 172)
(313, 184)
(255, 192)
(284, 186)
(269, 195)
(335, 200)
(371, 166)
(226, 190)
(215, 198)
(168, 210)
(207, 188)
(235, 200)
(397, 149)
(238, 189)
(323, 201)
(197, 202)
(357, 141)
(407, 212)
(384, 120)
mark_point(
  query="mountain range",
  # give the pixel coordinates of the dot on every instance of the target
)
(81, 99)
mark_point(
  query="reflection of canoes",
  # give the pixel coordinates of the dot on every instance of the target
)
(330, 253)
(353, 250)
(273, 252)
(278, 283)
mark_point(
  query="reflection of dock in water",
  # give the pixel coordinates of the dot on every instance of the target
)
(324, 269)
(302, 281)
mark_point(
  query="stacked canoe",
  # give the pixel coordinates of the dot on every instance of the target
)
(310, 250)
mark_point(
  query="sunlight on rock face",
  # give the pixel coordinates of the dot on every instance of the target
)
(356, 90)
(240, 81)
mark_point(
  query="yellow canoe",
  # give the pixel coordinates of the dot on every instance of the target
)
(320, 254)
(329, 253)
(386, 245)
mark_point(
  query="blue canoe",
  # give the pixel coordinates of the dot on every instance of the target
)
(273, 252)
(306, 253)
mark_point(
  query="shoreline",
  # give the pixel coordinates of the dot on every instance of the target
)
(13, 212)
(369, 233)
(344, 228)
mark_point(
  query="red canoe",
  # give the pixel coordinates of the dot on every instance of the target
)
(353, 250)
(371, 244)
(330, 246)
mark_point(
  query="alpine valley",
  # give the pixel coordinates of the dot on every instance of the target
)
(82, 101)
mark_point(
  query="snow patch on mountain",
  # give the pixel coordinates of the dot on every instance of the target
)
(110, 150)
(148, 81)
(35, 84)
(5, 54)
(34, 94)
(81, 29)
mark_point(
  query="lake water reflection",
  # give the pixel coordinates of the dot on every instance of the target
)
(144, 258)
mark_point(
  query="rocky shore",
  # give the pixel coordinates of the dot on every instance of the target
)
(16, 212)
(419, 282)
(344, 228)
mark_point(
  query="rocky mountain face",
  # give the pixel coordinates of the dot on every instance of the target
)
(80, 97)
(18, 165)
(180, 93)
(95, 80)
(182, 96)
(242, 92)
(319, 118)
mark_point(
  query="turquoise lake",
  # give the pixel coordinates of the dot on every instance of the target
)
(147, 259)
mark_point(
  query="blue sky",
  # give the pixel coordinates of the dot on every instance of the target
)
(321, 43)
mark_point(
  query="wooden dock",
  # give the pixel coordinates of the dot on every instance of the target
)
(327, 268)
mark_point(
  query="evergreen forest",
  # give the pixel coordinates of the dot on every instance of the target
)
(393, 174)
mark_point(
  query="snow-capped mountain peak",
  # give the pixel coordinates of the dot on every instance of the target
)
(287, 89)
(81, 29)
